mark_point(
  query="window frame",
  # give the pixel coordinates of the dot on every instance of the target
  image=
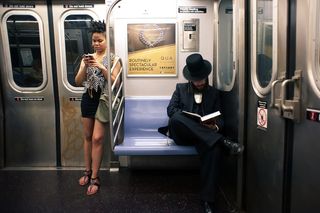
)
(7, 57)
(63, 54)
(259, 90)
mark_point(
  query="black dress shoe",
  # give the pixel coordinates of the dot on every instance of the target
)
(235, 148)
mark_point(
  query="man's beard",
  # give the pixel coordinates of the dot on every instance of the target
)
(198, 90)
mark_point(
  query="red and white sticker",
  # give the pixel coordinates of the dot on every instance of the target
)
(262, 117)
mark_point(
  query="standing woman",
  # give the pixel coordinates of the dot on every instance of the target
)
(93, 75)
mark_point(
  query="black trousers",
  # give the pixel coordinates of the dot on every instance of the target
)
(186, 131)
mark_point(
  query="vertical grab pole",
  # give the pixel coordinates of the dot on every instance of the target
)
(109, 68)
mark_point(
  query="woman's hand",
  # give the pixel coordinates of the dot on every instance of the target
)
(89, 60)
(95, 63)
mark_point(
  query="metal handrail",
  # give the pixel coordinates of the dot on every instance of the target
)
(111, 87)
(118, 111)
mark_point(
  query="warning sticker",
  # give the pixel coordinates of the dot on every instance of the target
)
(262, 115)
(18, 99)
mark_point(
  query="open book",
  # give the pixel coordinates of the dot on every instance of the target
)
(205, 119)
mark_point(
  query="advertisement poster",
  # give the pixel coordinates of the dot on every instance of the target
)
(152, 49)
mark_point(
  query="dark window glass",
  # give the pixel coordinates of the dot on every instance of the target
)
(225, 45)
(24, 42)
(264, 39)
(77, 41)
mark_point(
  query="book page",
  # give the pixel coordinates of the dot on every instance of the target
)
(203, 118)
(209, 116)
(192, 114)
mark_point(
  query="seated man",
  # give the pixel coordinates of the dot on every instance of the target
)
(197, 96)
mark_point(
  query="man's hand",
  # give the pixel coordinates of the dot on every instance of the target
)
(211, 126)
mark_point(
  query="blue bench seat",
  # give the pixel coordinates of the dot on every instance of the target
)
(143, 116)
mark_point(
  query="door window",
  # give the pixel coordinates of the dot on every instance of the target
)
(264, 46)
(77, 42)
(25, 50)
(313, 56)
(225, 66)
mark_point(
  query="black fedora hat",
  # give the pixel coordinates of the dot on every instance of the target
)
(197, 68)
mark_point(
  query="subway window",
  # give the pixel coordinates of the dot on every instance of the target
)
(264, 46)
(77, 42)
(25, 50)
(225, 70)
(264, 42)
(313, 56)
(316, 72)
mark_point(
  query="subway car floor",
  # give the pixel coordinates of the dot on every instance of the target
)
(124, 191)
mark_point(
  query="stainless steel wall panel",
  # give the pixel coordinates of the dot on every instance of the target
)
(306, 147)
(29, 111)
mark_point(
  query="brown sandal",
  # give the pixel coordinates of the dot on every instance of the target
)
(91, 189)
(84, 180)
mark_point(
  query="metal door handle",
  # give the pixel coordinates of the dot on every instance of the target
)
(283, 94)
(276, 103)
(291, 108)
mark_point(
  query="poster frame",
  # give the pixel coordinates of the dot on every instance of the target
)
(148, 22)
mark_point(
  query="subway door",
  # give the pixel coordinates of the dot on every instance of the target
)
(72, 40)
(27, 85)
(266, 128)
(306, 147)
(229, 67)
(1, 126)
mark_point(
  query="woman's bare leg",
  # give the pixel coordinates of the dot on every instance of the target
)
(97, 152)
(88, 124)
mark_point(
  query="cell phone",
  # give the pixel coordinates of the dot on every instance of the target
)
(90, 56)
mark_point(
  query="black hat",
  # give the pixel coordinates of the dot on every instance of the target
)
(197, 68)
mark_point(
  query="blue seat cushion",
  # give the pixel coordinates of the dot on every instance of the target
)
(143, 116)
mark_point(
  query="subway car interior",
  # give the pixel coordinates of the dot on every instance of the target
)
(265, 57)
